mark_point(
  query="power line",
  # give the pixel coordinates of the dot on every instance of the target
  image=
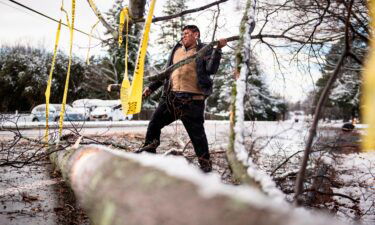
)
(48, 17)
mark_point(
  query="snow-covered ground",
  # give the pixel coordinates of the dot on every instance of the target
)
(352, 194)
(357, 174)
(276, 148)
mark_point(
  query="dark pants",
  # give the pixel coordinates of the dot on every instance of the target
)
(190, 112)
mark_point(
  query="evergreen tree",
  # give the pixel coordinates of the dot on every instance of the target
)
(260, 104)
(24, 73)
(219, 100)
(116, 53)
(345, 96)
(99, 74)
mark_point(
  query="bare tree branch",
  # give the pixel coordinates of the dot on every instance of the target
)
(162, 18)
(318, 110)
(102, 20)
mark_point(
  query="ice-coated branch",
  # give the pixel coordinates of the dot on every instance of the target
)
(102, 20)
(242, 165)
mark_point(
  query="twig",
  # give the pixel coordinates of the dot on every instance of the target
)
(285, 161)
(332, 194)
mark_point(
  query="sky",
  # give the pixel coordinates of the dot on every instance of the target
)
(20, 26)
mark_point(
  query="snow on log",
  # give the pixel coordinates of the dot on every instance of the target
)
(116, 187)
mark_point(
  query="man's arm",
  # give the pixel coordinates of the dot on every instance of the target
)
(151, 88)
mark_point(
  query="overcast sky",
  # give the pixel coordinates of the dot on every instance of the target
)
(19, 26)
(22, 26)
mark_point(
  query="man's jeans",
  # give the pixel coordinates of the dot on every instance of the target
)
(190, 112)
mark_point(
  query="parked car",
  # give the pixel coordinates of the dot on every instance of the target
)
(71, 114)
(39, 113)
(84, 111)
(87, 106)
(105, 113)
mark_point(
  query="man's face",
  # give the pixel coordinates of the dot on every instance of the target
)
(189, 38)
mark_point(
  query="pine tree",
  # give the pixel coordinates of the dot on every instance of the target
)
(345, 96)
(24, 73)
(116, 53)
(219, 100)
(260, 104)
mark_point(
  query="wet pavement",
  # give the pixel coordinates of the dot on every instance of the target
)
(34, 194)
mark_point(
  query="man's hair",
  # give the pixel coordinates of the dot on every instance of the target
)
(193, 28)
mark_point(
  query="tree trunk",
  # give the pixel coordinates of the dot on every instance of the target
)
(124, 188)
(236, 138)
(238, 168)
(137, 8)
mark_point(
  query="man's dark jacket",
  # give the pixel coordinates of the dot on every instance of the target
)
(206, 66)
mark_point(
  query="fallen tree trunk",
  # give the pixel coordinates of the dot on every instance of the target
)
(124, 188)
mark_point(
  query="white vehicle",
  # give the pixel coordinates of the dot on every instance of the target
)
(105, 113)
(84, 111)
(39, 113)
(87, 106)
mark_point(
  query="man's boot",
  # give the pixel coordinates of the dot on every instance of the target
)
(150, 148)
(205, 165)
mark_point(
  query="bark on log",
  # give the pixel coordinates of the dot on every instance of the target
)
(123, 188)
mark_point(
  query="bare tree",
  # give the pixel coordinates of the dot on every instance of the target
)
(322, 99)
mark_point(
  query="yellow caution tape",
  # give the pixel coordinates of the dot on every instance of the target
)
(88, 51)
(48, 89)
(66, 13)
(125, 86)
(71, 27)
(368, 97)
(135, 98)
(124, 16)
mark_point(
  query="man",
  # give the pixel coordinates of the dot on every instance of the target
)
(184, 93)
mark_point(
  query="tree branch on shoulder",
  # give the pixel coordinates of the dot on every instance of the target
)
(162, 75)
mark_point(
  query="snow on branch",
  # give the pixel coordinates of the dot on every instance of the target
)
(264, 181)
(102, 20)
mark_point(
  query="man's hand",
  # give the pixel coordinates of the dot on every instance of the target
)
(222, 43)
(147, 92)
(113, 87)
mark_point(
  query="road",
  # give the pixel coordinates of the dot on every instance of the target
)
(217, 131)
